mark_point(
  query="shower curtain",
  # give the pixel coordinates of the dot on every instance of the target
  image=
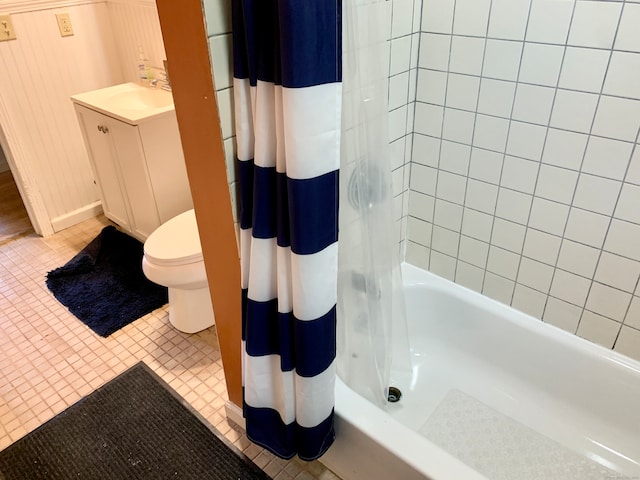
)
(287, 94)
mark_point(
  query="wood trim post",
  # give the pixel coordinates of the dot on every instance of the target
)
(187, 48)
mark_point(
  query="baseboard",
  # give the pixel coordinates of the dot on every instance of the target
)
(80, 215)
(234, 413)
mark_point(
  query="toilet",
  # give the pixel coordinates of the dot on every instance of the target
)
(173, 258)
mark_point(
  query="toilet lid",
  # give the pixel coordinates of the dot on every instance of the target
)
(176, 241)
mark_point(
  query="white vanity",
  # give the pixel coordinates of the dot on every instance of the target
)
(132, 138)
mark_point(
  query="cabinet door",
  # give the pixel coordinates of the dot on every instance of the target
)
(135, 177)
(102, 154)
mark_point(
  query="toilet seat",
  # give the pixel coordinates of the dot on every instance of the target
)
(175, 242)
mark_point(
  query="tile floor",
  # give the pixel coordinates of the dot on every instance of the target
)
(49, 359)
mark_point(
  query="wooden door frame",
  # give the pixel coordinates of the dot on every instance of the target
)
(187, 48)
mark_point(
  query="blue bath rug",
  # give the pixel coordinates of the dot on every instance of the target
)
(104, 286)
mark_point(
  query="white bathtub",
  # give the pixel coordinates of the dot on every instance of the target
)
(511, 396)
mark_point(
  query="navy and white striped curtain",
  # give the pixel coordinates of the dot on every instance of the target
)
(287, 92)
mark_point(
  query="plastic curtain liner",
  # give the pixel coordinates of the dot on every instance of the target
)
(369, 281)
(288, 95)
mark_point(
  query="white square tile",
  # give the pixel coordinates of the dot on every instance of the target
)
(218, 16)
(402, 18)
(485, 165)
(513, 205)
(550, 217)
(426, 150)
(418, 255)
(471, 17)
(502, 59)
(437, 15)
(466, 55)
(473, 251)
(549, 21)
(498, 288)
(627, 37)
(594, 24)
(503, 262)
(423, 179)
(541, 64)
(557, 184)
(397, 179)
(533, 104)
(528, 300)
(623, 238)
(225, 110)
(633, 174)
(573, 110)
(586, 227)
(496, 97)
(419, 231)
(442, 265)
(632, 318)
(596, 194)
(519, 174)
(400, 60)
(564, 149)
(397, 153)
(428, 119)
(569, 287)
(526, 140)
(398, 90)
(608, 301)
(607, 158)
(454, 157)
(583, 69)
(628, 342)
(458, 125)
(220, 47)
(622, 75)
(421, 206)
(578, 258)
(598, 329)
(451, 187)
(462, 91)
(477, 224)
(481, 196)
(508, 235)
(448, 215)
(434, 51)
(508, 19)
(432, 86)
(445, 241)
(469, 276)
(491, 133)
(398, 123)
(617, 118)
(617, 272)
(562, 315)
(535, 274)
(541, 246)
(413, 84)
(628, 207)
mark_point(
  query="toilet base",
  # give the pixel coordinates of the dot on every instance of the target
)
(190, 311)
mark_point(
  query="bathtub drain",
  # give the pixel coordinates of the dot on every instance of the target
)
(394, 394)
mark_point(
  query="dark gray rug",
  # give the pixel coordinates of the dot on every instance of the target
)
(104, 285)
(133, 427)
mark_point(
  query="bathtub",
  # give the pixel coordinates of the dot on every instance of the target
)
(493, 393)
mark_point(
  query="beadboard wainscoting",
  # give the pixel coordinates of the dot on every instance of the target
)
(39, 132)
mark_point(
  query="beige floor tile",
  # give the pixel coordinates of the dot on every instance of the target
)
(49, 359)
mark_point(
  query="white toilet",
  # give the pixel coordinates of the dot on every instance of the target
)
(173, 258)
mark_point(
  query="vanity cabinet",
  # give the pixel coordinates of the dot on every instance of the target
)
(139, 168)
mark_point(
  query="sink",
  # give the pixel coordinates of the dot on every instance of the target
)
(129, 102)
(141, 98)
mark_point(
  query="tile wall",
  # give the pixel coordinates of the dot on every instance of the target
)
(525, 174)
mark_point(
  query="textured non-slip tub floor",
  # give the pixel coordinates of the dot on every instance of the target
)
(49, 359)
